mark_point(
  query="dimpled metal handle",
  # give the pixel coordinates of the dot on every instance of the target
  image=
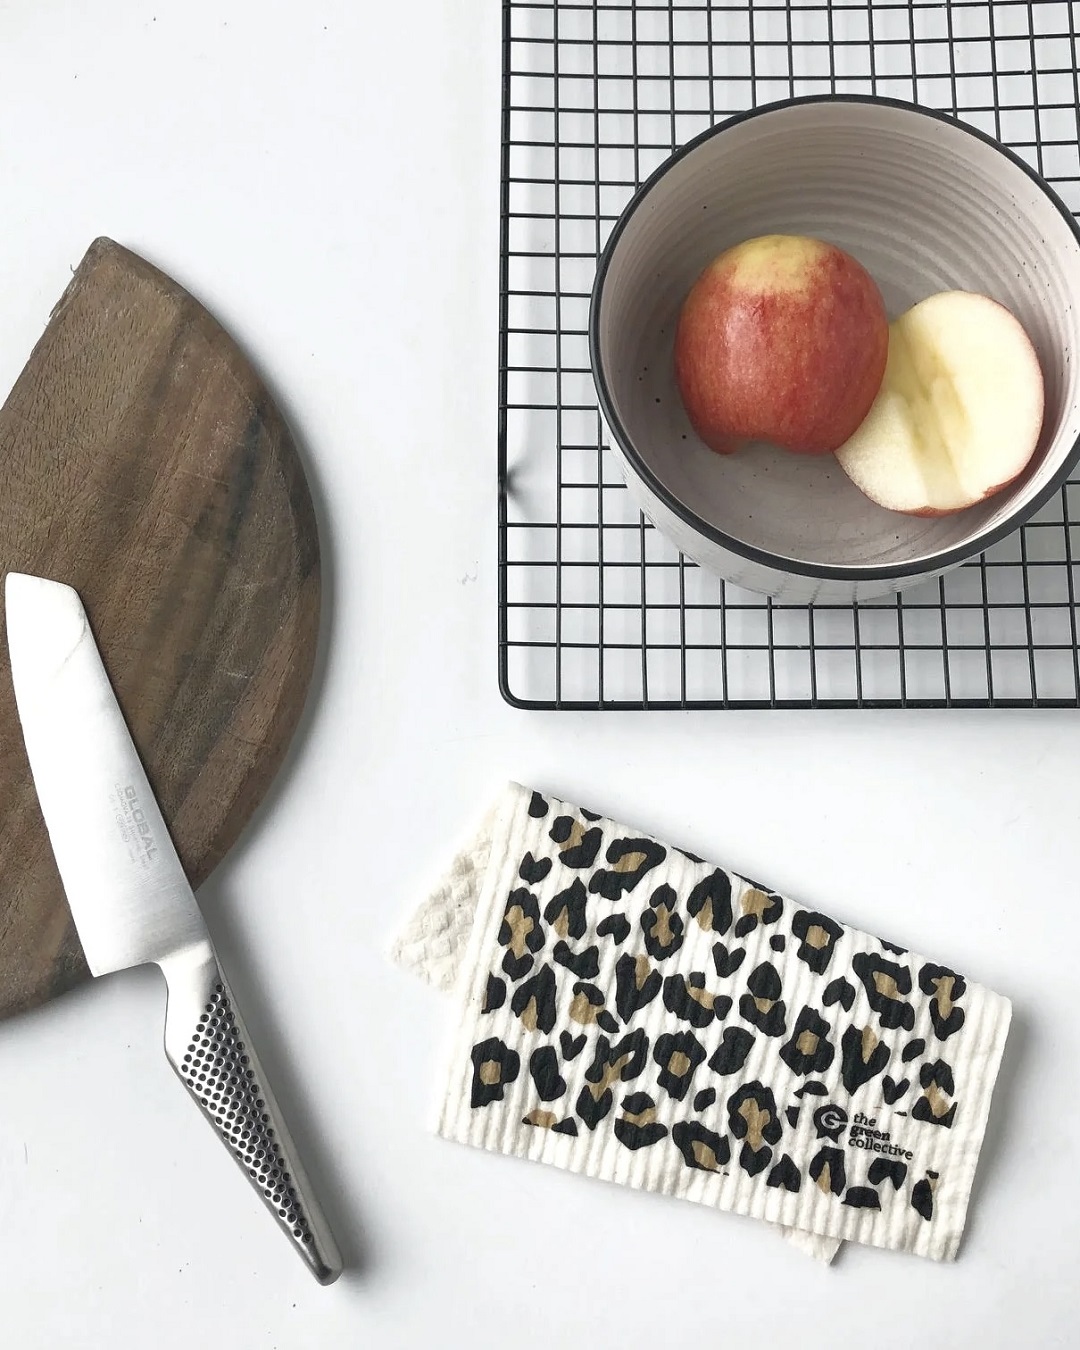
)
(208, 1046)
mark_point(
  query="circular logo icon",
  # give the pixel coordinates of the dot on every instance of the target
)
(830, 1121)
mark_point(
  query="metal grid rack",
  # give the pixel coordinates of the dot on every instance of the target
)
(597, 609)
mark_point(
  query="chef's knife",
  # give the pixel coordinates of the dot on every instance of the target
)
(131, 900)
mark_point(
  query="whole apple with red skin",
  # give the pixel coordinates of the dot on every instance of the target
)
(781, 339)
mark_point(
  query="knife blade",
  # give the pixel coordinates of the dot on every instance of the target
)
(130, 898)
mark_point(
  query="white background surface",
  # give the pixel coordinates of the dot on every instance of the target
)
(324, 176)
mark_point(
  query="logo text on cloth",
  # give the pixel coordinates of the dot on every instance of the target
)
(831, 1121)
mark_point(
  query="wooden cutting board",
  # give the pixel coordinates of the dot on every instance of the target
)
(143, 462)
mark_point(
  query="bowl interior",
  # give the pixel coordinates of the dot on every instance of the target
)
(925, 207)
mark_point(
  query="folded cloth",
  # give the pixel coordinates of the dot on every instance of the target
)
(635, 1014)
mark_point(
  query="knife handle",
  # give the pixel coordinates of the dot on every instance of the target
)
(209, 1047)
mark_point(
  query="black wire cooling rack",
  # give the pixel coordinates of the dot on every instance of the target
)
(597, 609)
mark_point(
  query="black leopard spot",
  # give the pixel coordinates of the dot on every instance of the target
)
(538, 808)
(947, 989)
(762, 1005)
(778, 943)
(888, 1169)
(611, 1064)
(757, 906)
(636, 984)
(548, 1120)
(811, 1090)
(700, 1148)
(752, 1117)
(892, 1091)
(862, 1197)
(534, 1001)
(913, 1049)
(922, 1198)
(587, 1006)
(532, 871)
(692, 856)
(494, 994)
(585, 965)
(892, 947)
(730, 1055)
(839, 991)
(617, 926)
(579, 845)
(727, 963)
(710, 902)
(809, 1050)
(589, 815)
(494, 1066)
(661, 924)
(791, 1115)
(566, 912)
(678, 1056)
(704, 1100)
(862, 1056)
(571, 1046)
(544, 1067)
(631, 860)
(827, 1171)
(752, 1161)
(637, 1127)
(690, 1001)
(520, 933)
(785, 1174)
(817, 936)
(886, 983)
(933, 1106)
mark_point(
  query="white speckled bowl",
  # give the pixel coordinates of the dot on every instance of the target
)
(926, 205)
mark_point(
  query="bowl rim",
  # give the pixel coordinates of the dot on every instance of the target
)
(796, 566)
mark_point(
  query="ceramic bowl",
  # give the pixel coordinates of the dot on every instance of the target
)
(926, 205)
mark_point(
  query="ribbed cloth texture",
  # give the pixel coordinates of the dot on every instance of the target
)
(634, 1014)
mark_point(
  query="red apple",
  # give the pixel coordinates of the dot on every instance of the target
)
(959, 411)
(781, 339)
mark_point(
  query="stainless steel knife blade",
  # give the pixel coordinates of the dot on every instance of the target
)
(130, 898)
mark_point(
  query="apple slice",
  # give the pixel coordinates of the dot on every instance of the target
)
(959, 411)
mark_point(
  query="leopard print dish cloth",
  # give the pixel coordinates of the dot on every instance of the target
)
(633, 1013)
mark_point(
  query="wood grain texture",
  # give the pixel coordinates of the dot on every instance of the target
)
(143, 462)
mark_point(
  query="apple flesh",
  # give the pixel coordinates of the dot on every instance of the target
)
(781, 339)
(959, 411)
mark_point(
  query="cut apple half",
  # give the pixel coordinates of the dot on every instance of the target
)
(959, 411)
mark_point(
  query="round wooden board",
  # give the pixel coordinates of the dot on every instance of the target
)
(144, 463)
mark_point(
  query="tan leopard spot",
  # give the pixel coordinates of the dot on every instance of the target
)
(869, 1043)
(824, 1181)
(816, 937)
(543, 1119)
(943, 994)
(642, 970)
(704, 1156)
(807, 1043)
(701, 996)
(756, 1120)
(582, 1011)
(704, 918)
(629, 862)
(662, 932)
(939, 1103)
(754, 902)
(520, 926)
(645, 1117)
(576, 835)
(490, 1072)
(885, 985)
(530, 1014)
(764, 1005)
(679, 1064)
(609, 1075)
(561, 923)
